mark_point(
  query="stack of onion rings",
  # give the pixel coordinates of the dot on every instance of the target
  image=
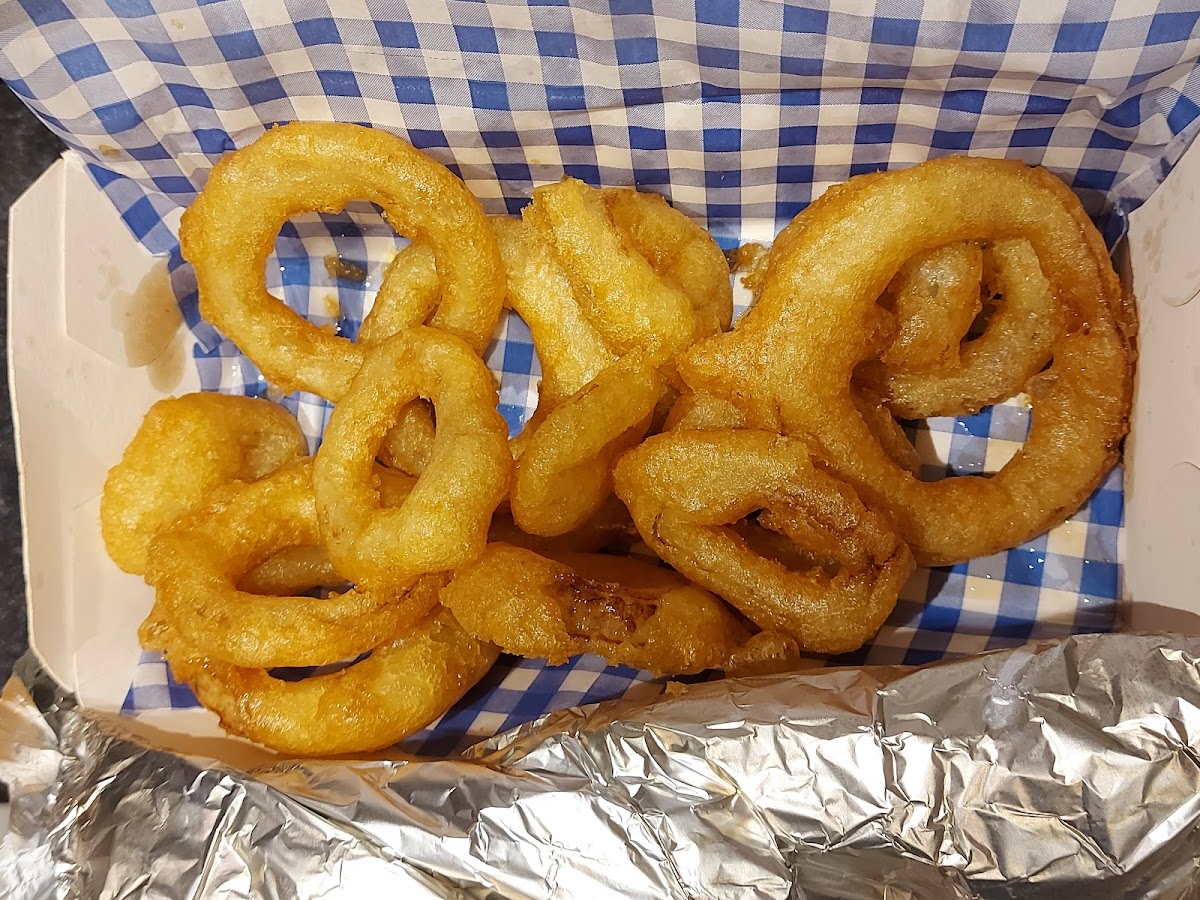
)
(619, 292)
(789, 364)
(195, 570)
(688, 489)
(781, 482)
(613, 284)
(444, 520)
(404, 684)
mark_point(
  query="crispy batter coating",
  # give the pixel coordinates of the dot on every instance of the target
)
(570, 349)
(408, 444)
(443, 523)
(185, 448)
(696, 410)
(408, 681)
(789, 363)
(687, 490)
(935, 297)
(629, 611)
(565, 472)
(194, 569)
(1015, 346)
(294, 570)
(409, 292)
(886, 429)
(679, 250)
(618, 290)
(230, 229)
(693, 410)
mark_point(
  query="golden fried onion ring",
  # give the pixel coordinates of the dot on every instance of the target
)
(886, 429)
(230, 229)
(443, 523)
(410, 290)
(404, 685)
(687, 489)
(629, 611)
(565, 471)
(294, 570)
(619, 291)
(692, 411)
(1015, 346)
(935, 297)
(789, 363)
(185, 448)
(569, 347)
(195, 568)
(408, 293)
(679, 250)
(407, 445)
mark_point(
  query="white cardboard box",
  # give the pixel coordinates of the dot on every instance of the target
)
(84, 370)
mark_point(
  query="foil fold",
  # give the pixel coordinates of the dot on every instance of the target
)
(1068, 768)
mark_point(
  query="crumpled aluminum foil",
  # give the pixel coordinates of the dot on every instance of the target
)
(1064, 769)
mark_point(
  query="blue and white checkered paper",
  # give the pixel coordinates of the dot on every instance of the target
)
(741, 113)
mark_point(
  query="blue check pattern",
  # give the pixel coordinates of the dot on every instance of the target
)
(740, 112)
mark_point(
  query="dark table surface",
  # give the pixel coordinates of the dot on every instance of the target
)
(27, 147)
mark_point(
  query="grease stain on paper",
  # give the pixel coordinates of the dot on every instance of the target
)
(151, 326)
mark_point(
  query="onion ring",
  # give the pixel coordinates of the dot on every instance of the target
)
(679, 251)
(410, 290)
(443, 523)
(228, 232)
(295, 570)
(194, 570)
(935, 297)
(620, 293)
(1015, 346)
(686, 489)
(408, 293)
(408, 444)
(406, 683)
(569, 348)
(692, 411)
(886, 430)
(628, 611)
(565, 471)
(185, 448)
(608, 527)
(788, 364)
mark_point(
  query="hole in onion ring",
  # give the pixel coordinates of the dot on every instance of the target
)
(777, 547)
(981, 444)
(299, 673)
(342, 256)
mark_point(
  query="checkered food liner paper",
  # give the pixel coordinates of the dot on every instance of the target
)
(740, 113)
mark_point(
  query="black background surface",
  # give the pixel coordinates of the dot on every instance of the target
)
(27, 147)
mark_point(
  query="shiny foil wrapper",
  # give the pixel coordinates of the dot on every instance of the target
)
(1060, 769)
